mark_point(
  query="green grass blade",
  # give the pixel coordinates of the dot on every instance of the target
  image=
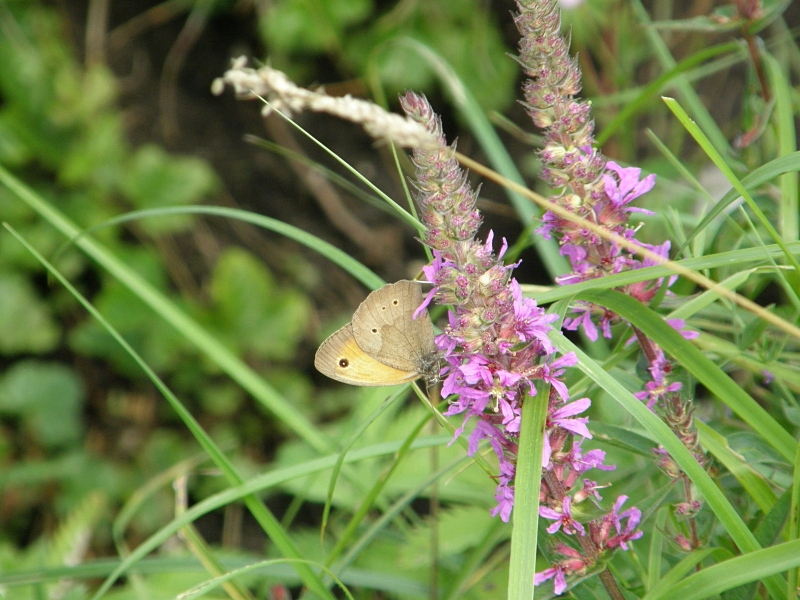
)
(380, 524)
(228, 362)
(655, 555)
(754, 566)
(750, 479)
(793, 531)
(685, 566)
(328, 174)
(259, 484)
(402, 213)
(527, 484)
(718, 160)
(475, 560)
(787, 144)
(733, 258)
(763, 174)
(332, 253)
(208, 586)
(356, 435)
(371, 496)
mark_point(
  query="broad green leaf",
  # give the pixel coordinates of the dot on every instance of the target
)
(25, 321)
(49, 399)
(252, 311)
(156, 179)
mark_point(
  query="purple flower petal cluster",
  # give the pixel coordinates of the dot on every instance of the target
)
(658, 386)
(494, 348)
(611, 532)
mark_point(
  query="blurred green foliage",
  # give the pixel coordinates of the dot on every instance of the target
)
(363, 43)
(76, 417)
(250, 310)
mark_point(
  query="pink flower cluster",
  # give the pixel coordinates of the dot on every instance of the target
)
(494, 348)
(613, 531)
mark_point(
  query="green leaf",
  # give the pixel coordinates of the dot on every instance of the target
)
(25, 321)
(471, 44)
(306, 27)
(162, 347)
(155, 179)
(461, 528)
(253, 310)
(48, 397)
(739, 467)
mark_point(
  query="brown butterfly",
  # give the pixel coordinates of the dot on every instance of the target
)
(384, 344)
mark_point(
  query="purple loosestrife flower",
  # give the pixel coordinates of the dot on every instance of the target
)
(625, 534)
(601, 192)
(561, 422)
(591, 187)
(626, 186)
(495, 346)
(658, 387)
(496, 343)
(572, 562)
(563, 518)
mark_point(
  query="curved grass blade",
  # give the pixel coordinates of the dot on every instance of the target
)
(396, 509)
(362, 427)
(787, 145)
(228, 362)
(207, 586)
(332, 253)
(259, 484)
(718, 160)
(778, 167)
(750, 479)
(737, 258)
(399, 210)
(329, 174)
